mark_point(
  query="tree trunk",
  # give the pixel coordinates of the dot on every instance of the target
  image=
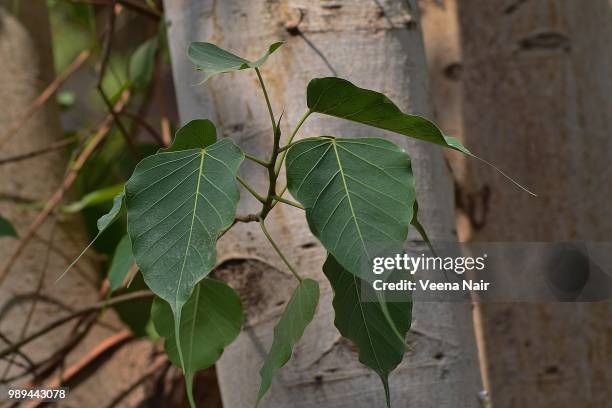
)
(537, 102)
(376, 45)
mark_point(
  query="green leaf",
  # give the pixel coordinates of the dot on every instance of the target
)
(102, 224)
(212, 318)
(142, 63)
(178, 203)
(212, 60)
(121, 264)
(196, 134)
(108, 218)
(362, 319)
(94, 198)
(419, 227)
(338, 97)
(7, 229)
(297, 315)
(358, 195)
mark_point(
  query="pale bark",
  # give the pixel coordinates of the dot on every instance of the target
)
(377, 45)
(27, 68)
(537, 103)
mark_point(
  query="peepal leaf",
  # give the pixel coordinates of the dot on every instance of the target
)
(297, 315)
(358, 195)
(7, 229)
(196, 134)
(338, 97)
(108, 218)
(121, 263)
(178, 203)
(103, 223)
(362, 319)
(94, 198)
(211, 320)
(212, 60)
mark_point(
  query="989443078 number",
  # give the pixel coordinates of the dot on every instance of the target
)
(42, 394)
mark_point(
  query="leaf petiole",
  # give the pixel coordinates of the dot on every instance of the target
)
(256, 160)
(265, 92)
(279, 252)
(251, 190)
(283, 150)
(288, 202)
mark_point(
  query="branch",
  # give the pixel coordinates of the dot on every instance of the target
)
(108, 344)
(66, 184)
(142, 294)
(142, 122)
(38, 152)
(108, 43)
(139, 8)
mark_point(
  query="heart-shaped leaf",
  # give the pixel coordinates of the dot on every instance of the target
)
(338, 97)
(7, 229)
(196, 134)
(178, 203)
(212, 60)
(358, 195)
(361, 319)
(211, 320)
(121, 263)
(297, 315)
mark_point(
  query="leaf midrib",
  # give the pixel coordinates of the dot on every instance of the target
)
(193, 217)
(348, 196)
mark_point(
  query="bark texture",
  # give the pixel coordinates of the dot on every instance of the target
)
(537, 103)
(27, 68)
(376, 44)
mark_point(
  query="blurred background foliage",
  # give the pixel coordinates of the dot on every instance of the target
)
(134, 60)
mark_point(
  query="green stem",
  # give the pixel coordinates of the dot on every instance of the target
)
(250, 189)
(279, 252)
(283, 151)
(265, 92)
(289, 202)
(279, 195)
(257, 160)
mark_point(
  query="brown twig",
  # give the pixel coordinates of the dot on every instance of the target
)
(66, 184)
(45, 95)
(142, 294)
(34, 153)
(142, 122)
(108, 44)
(154, 369)
(102, 348)
(137, 7)
(19, 352)
(39, 288)
(161, 103)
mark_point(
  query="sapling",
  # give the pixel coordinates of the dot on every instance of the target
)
(358, 196)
